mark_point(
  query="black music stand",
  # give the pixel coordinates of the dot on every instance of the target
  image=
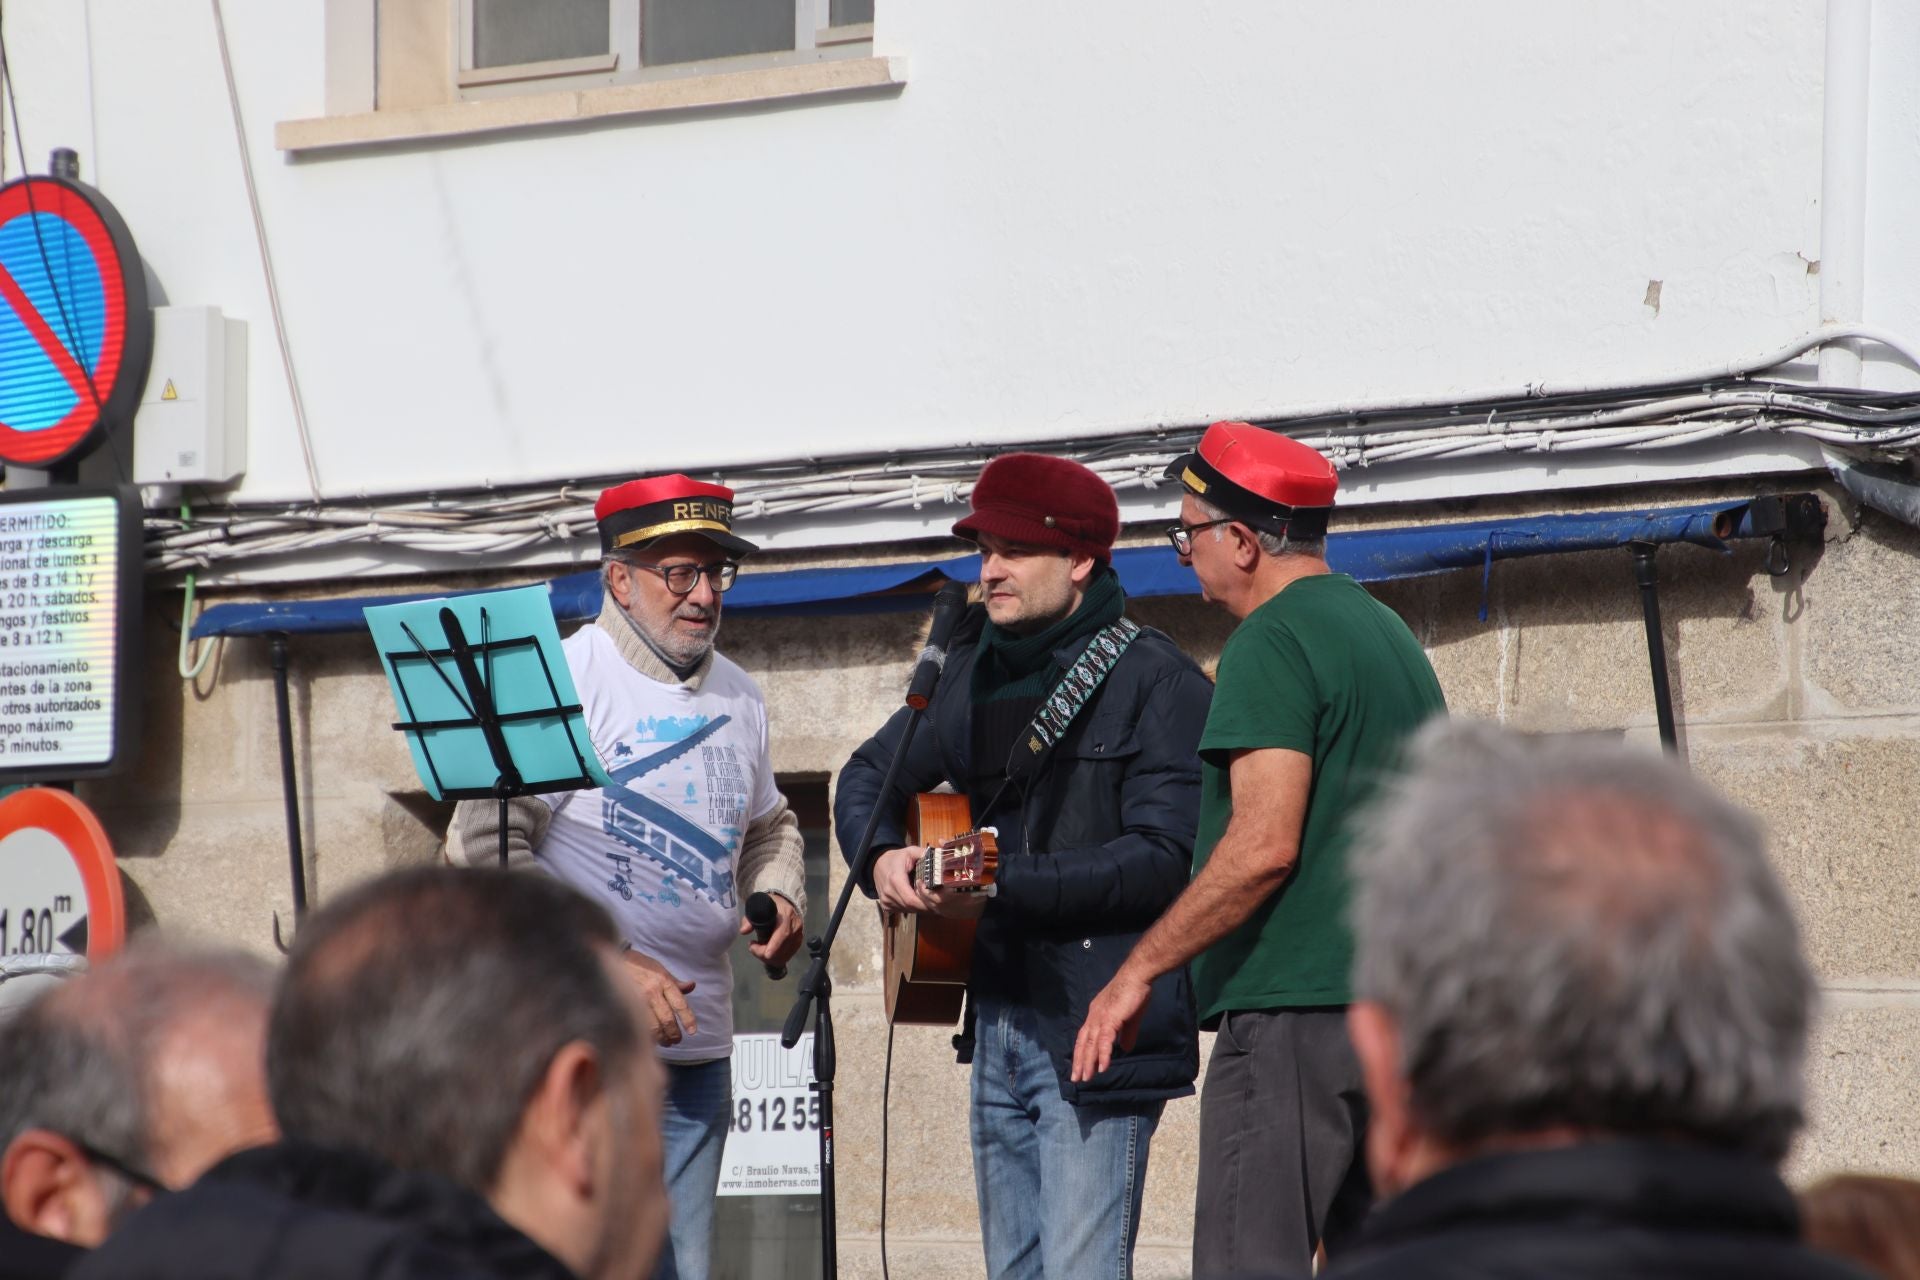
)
(490, 719)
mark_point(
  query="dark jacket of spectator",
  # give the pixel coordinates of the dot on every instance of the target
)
(298, 1212)
(25, 1256)
(1641, 1209)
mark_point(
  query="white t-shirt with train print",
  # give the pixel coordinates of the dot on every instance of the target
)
(691, 770)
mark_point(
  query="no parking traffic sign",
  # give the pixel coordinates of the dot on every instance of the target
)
(59, 887)
(76, 334)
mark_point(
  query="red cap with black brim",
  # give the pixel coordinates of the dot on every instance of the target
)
(639, 511)
(1260, 477)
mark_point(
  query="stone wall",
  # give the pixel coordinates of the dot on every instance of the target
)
(1797, 695)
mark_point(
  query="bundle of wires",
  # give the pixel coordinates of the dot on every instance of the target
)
(1678, 410)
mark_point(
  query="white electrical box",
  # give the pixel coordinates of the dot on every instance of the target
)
(191, 427)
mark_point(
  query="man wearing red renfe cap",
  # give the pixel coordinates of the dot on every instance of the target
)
(1318, 687)
(1074, 732)
(693, 825)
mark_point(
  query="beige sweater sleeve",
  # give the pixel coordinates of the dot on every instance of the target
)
(773, 857)
(473, 838)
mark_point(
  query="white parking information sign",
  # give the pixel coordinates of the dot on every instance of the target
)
(58, 631)
(773, 1132)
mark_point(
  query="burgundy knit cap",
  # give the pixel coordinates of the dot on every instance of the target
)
(1044, 501)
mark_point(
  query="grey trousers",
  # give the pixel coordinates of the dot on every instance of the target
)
(1283, 1125)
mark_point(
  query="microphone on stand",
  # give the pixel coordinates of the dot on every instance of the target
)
(948, 604)
(765, 918)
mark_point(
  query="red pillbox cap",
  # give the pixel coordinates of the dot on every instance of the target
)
(1268, 480)
(635, 513)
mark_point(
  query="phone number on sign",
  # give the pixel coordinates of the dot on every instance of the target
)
(797, 1114)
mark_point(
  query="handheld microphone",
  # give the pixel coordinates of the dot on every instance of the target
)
(765, 917)
(948, 604)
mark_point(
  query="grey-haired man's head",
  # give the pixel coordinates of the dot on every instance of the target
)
(129, 1080)
(1564, 939)
(479, 1025)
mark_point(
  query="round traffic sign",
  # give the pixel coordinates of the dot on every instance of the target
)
(59, 886)
(76, 335)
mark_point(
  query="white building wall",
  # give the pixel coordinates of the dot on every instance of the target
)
(1893, 180)
(1073, 219)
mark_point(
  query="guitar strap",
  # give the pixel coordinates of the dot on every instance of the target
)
(1057, 711)
(1069, 698)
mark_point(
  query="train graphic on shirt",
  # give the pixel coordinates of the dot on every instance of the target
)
(690, 853)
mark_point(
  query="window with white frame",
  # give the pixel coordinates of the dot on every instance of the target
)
(394, 66)
(516, 45)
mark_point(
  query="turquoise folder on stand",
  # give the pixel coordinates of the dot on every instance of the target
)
(485, 697)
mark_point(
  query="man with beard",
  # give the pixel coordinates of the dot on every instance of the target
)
(693, 823)
(1091, 775)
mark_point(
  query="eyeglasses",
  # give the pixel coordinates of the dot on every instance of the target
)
(145, 1181)
(1181, 535)
(682, 578)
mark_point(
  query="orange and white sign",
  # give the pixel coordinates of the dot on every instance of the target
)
(59, 886)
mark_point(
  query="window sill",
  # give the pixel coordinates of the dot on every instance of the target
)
(831, 78)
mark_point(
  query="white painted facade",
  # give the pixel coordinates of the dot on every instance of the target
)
(1071, 221)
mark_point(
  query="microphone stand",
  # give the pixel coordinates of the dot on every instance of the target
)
(816, 988)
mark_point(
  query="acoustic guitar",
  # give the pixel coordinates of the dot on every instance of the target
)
(928, 956)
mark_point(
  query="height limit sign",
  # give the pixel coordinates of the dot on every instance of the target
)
(69, 609)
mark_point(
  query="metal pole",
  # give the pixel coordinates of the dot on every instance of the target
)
(824, 1066)
(1647, 576)
(289, 790)
(816, 992)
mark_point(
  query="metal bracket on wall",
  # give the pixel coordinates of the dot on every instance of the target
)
(1782, 518)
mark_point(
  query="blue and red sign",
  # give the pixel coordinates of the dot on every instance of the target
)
(76, 334)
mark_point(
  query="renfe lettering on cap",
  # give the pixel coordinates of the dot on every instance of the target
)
(658, 506)
(719, 511)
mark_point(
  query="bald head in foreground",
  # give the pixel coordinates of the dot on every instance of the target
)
(1582, 1017)
(127, 1082)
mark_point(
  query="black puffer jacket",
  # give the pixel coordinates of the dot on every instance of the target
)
(25, 1256)
(1603, 1209)
(1102, 845)
(297, 1212)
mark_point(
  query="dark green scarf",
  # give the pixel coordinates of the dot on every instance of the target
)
(1011, 666)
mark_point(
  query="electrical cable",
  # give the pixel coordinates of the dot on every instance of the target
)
(886, 1094)
(190, 670)
(266, 257)
(1662, 415)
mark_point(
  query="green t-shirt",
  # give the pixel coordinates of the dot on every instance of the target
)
(1326, 670)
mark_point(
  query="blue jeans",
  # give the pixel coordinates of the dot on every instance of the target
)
(693, 1132)
(1059, 1184)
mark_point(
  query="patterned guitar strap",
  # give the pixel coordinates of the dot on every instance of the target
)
(1077, 687)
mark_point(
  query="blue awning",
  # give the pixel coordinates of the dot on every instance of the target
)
(1370, 555)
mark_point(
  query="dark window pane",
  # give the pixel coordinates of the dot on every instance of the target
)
(509, 32)
(845, 13)
(758, 1004)
(693, 30)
